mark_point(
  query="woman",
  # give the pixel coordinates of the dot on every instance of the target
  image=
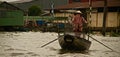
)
(78, 22)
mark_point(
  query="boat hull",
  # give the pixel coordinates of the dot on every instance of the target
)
(74, 43)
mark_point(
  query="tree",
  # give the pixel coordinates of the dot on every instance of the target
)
(34, 11)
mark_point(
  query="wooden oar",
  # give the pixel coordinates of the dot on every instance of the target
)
(49, 42)
(101, 43)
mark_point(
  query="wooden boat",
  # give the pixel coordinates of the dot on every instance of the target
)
(71, 42)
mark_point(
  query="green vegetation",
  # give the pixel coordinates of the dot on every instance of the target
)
(34, 11)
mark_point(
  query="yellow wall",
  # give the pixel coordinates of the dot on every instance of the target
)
(112, 19)
(61, 14)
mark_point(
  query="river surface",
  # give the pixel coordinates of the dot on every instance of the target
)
(28, 44)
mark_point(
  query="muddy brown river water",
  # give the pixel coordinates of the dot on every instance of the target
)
(28, 44)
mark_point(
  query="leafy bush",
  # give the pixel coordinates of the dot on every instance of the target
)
(34, 11)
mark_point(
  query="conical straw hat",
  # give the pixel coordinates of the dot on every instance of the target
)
(78, 12)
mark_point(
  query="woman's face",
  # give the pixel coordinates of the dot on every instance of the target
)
(78, 14)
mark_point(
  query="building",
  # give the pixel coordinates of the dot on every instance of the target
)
(10, 15)
(72, 1)
(113, 14)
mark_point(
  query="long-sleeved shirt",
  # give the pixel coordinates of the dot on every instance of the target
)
(78, 20)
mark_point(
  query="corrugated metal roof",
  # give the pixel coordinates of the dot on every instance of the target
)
(96, 4)
(8, 6)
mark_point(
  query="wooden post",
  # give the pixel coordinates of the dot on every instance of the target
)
(64, 26)
(90, 12)
(118, 20)
(58, 29)
(104, 18)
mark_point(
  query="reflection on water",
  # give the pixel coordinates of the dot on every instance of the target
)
(16, 54)
(62, 51)
(28, 44)
(32, 54)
